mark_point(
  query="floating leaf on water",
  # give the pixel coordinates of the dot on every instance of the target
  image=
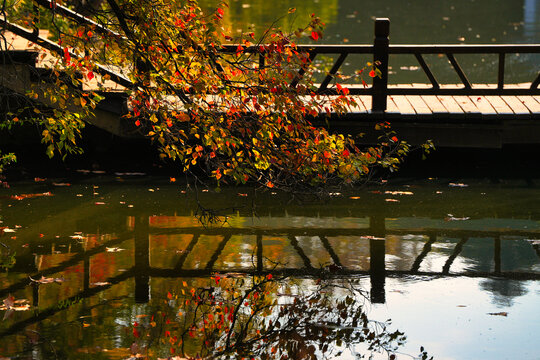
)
(369, 237)
(502, 313)
(8, 230)
(61, 184)
(29, 196)
(453, 218)
(114, 249)
(391, 200)
(457, 185)
(242, 194)
(354, 197)
(334, 194)
(10, 303)
(399, 192)
(99, 203)
(45, 280)
(409, 68)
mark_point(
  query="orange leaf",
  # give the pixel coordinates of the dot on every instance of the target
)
(270, 184)
(372, 73)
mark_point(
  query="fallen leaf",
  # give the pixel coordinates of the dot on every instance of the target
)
(354, 197)
(391, 200)
(457, 185)
(45, 280)
(502, 313)
(114, 249)
(453, 218)
(29, 196)
(398, 192)
(101, 283)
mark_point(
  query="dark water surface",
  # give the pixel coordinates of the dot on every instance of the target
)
(455, 265)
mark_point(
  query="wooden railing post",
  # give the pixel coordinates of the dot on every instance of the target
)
(380, 55)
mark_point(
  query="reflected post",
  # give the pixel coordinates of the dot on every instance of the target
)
(377, 249)
(142, 259)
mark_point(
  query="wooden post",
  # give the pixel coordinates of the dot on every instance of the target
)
(380, 55)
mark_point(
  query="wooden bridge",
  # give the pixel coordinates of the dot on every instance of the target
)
(452, 115)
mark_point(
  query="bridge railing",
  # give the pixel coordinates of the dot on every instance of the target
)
(381, 49)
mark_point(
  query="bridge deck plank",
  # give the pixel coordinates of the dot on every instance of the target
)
(419, 105)
(516, 105)
(483, 105)
(500, 106)
(405, 108)
(450, 104)
(467, 105)
(434, 104)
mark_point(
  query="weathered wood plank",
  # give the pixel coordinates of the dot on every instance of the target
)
(483, 105)
(467, 105)
(530, 103)
(366, 100)
(451, 105)
(405, 108)
(499, 105)
(419, 105)
(434, 104)
(516, 105)
(359, 107)
(391, 107)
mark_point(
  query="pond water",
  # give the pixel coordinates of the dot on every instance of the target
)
(412, 22)
(104, 266)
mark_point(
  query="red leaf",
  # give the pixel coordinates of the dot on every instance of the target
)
(372, 73)
(220, 12)
(314, 35)
(394, 139)
(67, 57)
(90, 75)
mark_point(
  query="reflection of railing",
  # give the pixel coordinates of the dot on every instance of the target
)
(141, 271)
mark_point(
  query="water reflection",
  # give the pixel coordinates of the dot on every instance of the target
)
(90, 266)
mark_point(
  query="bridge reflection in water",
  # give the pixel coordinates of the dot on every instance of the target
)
(190, 250)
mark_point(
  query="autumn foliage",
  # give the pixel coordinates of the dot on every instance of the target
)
(239, 114)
